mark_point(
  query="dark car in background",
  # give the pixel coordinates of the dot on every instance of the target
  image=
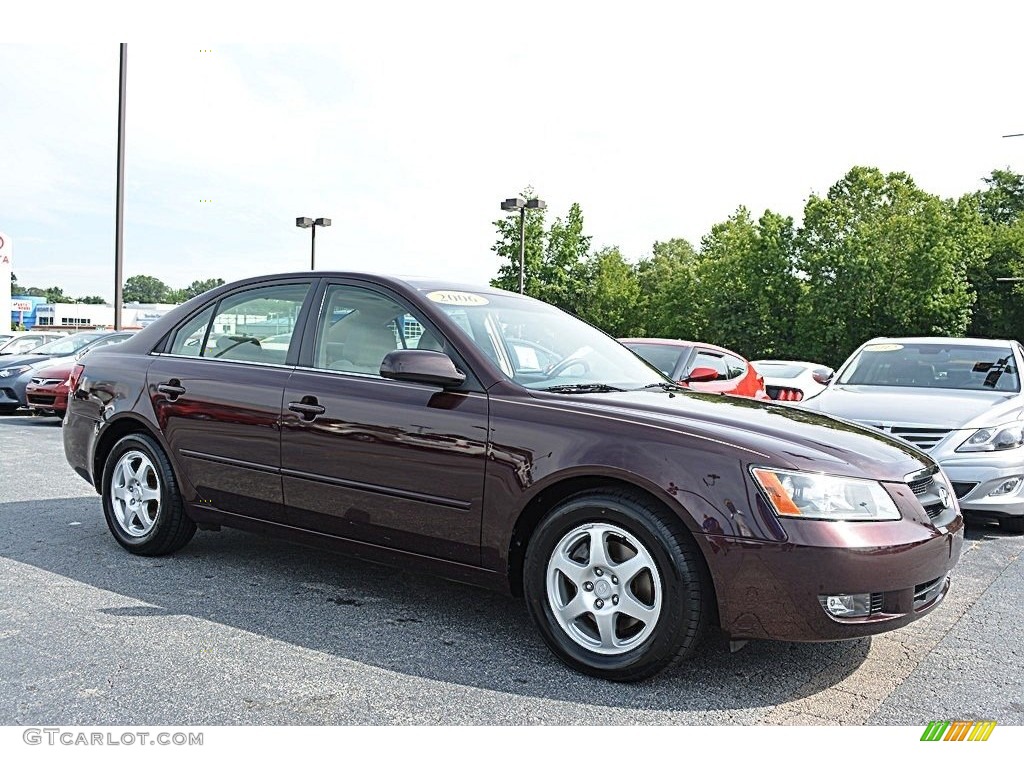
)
(397, 420)
(16, 373)
(959, 400)
(700, 366)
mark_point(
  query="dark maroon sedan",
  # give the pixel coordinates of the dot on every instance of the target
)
(491, 438)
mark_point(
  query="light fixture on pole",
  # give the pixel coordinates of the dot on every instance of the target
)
(306, 223)
(521, 205)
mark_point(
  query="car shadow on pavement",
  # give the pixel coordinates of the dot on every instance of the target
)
(392, 619)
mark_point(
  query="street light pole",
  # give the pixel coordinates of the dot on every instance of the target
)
(119, 205)
(306, 223)
(519, 204)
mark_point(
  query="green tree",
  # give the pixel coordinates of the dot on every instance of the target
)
(145, 290)
(749, 290)
(200, 286)
(880, 257)
(563, 271)
(668, 285)
(1003, 201)
(91, 300)
(56, 295)
(612, 295)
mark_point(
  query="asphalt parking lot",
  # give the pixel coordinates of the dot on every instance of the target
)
(237, 629)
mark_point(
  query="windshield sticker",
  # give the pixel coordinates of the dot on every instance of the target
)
(457, 298)
(883, 347)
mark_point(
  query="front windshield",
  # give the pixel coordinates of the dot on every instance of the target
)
(542, 347)
(68, 345)
(935, 366)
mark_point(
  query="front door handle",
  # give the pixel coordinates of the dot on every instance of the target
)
(307, 408)
(172, 389)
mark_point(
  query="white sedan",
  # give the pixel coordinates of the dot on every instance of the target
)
(792, 379)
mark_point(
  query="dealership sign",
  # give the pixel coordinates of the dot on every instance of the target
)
(6, 254)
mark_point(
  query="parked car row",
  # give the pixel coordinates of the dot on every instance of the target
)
(19, 373)
(23, 342)
(488, 437)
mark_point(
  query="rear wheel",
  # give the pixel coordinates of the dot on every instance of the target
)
(1012, 524)
(141, 500)
(616, 586)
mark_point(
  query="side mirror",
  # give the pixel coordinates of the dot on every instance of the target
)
(822, 375)
(421, 366)
(700, 374)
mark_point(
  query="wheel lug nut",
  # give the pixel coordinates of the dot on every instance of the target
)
(589, 586)
(598, 572)
(599, 603)
(615, 599)
(615, 579)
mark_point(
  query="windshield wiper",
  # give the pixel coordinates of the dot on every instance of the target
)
(667, 386)
(582, 389)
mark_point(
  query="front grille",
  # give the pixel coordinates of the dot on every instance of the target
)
(934, 510)
(925, 593)
(920, 487)
(924, 438)
(876, 602)
(36, 381)
(962, 489)
(41, 399)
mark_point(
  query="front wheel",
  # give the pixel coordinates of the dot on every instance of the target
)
(616, 586)
(141, 500)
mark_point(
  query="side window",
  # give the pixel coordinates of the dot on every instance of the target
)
(188, 339)
(735, 366)
(256, 325)
(706, 359)
(358, 327)
(253, 326)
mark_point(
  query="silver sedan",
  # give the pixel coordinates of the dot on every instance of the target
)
(957, 399)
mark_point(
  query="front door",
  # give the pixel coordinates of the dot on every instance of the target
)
(395, 464)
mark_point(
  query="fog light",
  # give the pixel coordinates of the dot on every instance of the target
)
(846, 606)
(1006, 487)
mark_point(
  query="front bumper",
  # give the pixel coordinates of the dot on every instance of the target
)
(12, 390)
(772, 590)
(976, 475)
(46, 399)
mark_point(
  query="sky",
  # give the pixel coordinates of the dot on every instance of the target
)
(407, 124)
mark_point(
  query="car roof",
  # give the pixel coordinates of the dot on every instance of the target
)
(681, 343)
(937, 340)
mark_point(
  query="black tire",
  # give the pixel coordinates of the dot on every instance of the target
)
(1012, 524)
(687, 599)
(171, 527)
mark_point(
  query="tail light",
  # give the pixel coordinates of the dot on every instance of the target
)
(76, 374)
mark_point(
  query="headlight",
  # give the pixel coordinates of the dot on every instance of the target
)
(1001, 438)
(825, 497)
(13, 371)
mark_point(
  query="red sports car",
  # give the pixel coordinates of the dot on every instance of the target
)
(700, 366)
(47, 393)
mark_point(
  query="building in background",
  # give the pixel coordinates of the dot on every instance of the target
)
(34, 312)
(6, 258)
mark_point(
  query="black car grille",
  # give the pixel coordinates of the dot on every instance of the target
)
(41, 399)
(962, 489)
(920, 487)
(876, 602)
(927, 592)
(934, 510)
(923, 437)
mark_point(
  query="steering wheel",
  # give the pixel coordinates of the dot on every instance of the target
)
(569, 362)
(246, 340)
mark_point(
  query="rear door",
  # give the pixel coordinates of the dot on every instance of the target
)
(396, 464)
(217, 395)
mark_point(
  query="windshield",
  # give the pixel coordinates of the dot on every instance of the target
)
(935, 366)
(68, 345)
(541, 347)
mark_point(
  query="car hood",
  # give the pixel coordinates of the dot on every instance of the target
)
(766, 433)
(15, 361)
(918, 406)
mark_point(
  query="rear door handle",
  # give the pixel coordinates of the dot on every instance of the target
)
(308, 408)
(172, 389)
